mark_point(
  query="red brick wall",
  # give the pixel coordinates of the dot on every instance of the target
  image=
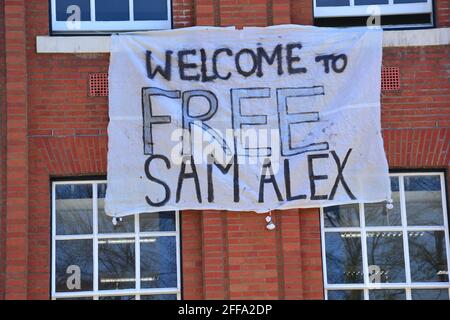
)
(183, 13)
(2, 150)
(67, 134)
(229, 255)
(416, 119)
(16, 170)
(442, 13)
(55, 130)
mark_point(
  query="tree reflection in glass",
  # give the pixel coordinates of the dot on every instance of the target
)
(160, 297)
(105, 222)
(158, 262)
(389, 294)
(341, 216)
(428, 257)
(117, 298)
(429, 294)
(74, 209)
(385, 254)
(116, 264)
(345, 295)
(76, 254)
(344, 258)
(377, 214)
(423, 200)
(157, 221)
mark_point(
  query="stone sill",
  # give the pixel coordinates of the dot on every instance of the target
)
(101, 44)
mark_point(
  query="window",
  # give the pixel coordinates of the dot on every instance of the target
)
(393, 13)
(92, 259)
(88, 16)
(371, 252)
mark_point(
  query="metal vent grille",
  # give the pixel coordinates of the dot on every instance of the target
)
(390, 79)
(98, 84)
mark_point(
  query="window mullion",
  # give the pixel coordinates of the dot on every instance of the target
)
(446, 226)
(178, 248)
(324, 255)
(93, 18)
(365, 262)
(53, 239)
(366, 294)
(131, 6)
(408, 294)
(137, 252)
(405, 229)
(95, 240)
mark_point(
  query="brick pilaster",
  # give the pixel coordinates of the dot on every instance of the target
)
(16, 245)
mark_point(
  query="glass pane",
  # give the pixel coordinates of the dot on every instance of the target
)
(370, 2)
(385, 257)
(344, 259)
(81, 298)
(341, 216)
(118, 298)
(62, 6)
(387, 295)
(150, 10)
(423, 200)
(427, 254)
(376, 214)
(345, 295)
(105, 225)
(429, 294)
(116, 264)
(158, 262)
(160, 297)
(74, 265)
(409, 1)
(73, 209)
(158, 221)
(332, 3)
(112, 10)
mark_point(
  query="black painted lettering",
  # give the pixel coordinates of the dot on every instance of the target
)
(190, 175)
(183, 66)
(291, 59)
(287, 182)
(156, 180)
(340, 176)
(166, 73)
(286, 119)
(267, 167)
(215, 58)
(277, 55)
(240, 120)
(313, 178)
(240, 70)
(149, 119)
(224, 169)
(204, 68)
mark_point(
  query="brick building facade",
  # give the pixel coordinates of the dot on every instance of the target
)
(50, 127)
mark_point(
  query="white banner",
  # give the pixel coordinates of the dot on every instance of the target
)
(245, 120)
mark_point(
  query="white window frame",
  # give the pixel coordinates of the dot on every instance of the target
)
(111, 26)
(96, 236)
(408, 285)
(385, 9)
